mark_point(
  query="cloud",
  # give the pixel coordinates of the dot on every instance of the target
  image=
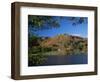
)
(76, 34)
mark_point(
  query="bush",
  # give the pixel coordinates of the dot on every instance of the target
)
(36, 59)
(34, 50)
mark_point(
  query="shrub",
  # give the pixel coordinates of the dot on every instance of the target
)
(36, 59)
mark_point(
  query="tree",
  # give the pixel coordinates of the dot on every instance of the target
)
(77, 20)
(48, 22)
(43, 22)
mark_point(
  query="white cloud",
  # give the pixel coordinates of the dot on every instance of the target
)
(77, 35)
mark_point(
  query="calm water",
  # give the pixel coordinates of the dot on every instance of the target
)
(65, 60)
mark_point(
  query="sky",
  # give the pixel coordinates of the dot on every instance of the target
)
(66, 27)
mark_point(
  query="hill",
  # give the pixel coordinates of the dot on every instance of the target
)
(65, 44)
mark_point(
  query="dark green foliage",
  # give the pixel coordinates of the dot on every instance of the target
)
(46, 49)
(32, 41)
(48, 22)
(36, 59)
(35, 51)
(43, 22)
(36, 55)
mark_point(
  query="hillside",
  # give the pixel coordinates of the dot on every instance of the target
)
(65, 44)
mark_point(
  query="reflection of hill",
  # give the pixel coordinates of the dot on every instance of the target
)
(65, 44)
